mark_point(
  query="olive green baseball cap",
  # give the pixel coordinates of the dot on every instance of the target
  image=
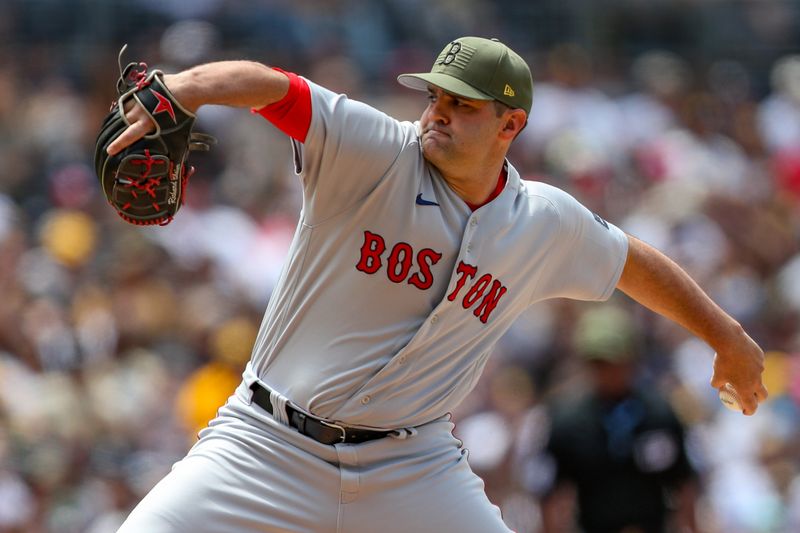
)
(481, 69)
(607, 333)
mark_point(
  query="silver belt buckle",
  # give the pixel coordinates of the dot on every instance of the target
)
(335, 426)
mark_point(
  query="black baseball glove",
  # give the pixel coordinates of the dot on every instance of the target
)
(146, 181)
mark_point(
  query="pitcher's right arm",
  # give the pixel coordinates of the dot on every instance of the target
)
(232, 83)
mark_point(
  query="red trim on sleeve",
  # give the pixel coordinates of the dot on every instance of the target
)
(501, 182)
(292, 113)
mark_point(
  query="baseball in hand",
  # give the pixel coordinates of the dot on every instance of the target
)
(730, 398)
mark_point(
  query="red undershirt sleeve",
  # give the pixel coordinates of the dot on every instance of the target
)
(292, 113)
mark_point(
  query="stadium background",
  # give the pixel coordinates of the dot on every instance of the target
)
(677, 120)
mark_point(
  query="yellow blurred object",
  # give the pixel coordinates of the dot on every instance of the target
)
(207, 389)
(776, 373)
(69, 236)
(232, 342)
(204, 392)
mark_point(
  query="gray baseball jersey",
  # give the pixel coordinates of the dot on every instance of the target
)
(395, 290)
(393, 295)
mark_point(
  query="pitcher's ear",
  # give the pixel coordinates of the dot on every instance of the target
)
(515, 122)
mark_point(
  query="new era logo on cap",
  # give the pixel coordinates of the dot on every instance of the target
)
(478, 68)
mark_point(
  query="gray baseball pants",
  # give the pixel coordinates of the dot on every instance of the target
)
(249, 473)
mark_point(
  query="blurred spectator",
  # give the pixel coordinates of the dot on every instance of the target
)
(779, 116)
(208, 387)
(779, 124)
(574, 128)
(660, 80)
(618, 445)
(678, 120)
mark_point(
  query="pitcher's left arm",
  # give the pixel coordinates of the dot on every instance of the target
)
(658, 283)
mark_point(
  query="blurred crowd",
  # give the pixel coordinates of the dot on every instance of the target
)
(680, 123)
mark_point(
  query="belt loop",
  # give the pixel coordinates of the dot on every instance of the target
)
(248, 396)
(403, 433)
(279, 407)
(301, 422)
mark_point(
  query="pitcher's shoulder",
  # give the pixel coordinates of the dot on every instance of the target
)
(540, 197)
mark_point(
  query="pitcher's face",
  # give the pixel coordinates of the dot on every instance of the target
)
(456, 130)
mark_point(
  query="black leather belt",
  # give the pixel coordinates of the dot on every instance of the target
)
(316, 428)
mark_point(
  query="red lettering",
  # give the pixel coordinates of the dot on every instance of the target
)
(476, 291)
(371, 251)
(400, 262)
(424, 278)
(490, 301)
(465, 271)
(400, 249)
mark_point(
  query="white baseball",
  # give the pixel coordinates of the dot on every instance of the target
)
(730, 398)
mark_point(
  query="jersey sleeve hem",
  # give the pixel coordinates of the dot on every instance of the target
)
(623, 238)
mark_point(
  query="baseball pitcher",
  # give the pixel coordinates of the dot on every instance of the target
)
(418, 245)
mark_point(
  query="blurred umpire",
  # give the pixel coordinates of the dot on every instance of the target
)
(617, 451)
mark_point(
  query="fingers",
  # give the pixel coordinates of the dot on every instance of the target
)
(132, 133)
(761, 393)
(750, 401)
(140, 125)
(742, 368)
(747, 399)
(717, 381)
(749, 404)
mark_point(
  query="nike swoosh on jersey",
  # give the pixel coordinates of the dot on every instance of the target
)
(422, 201)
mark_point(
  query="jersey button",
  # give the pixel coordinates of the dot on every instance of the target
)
(434, 319)
(473, 222)
(469, 248)
(402, 360)
(365, 400)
